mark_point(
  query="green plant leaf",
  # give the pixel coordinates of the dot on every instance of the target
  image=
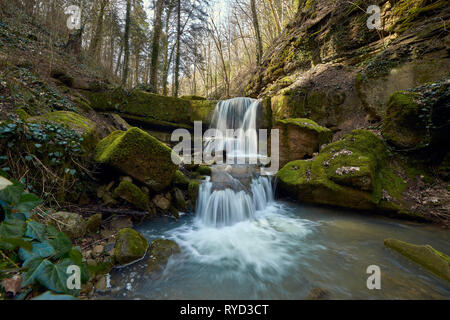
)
(12, 228)
(13, 243)
(36, 231)
(61, 244)
(12, 193)
(48, 295)
(27, 202)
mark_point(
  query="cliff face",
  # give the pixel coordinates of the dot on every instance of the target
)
(330, 67)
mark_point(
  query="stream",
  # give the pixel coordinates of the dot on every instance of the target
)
(243, 243)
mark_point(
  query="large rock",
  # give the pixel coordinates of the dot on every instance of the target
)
(353, 173)
(161, 202)
(402, 125)
(152, 109)
(130, 246)
(161, 251)
(428, 257)
(300, 138)
(138, 154)
(82, 125)
(180, 180)
(70, 223)
(132, 194)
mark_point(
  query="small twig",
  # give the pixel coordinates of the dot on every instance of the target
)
(7, 258)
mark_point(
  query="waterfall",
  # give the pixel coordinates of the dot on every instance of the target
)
(241, 115)
(223, 198)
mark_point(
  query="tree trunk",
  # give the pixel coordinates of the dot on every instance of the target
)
(126, 44)
(157, 28)
(97, 38)
(255, 21)
(177, 56)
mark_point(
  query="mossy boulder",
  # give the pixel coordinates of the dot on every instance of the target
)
(180, 180)
(80, 124)
(300, 138)
(425, 255)
(204, 170)
(403, 127)
(151, 108)
(70, 223)
(353, 172)
(130, 246)
(161, 251)
(180, 201)
(193, 190)
(132, 194)
(138, 154)
(94, 222)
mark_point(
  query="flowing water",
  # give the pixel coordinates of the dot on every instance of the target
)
(242, 243)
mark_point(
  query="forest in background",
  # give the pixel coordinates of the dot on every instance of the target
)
(170, 47)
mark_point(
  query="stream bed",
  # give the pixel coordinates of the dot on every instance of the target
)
(284, 252)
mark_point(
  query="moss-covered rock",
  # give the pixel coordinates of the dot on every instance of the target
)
(161, 251)
(192, 97)
(353, 173)
(300, 138)
(204, 170)
(180, 201)
(83, 126)
(180, 180)
(70, 223)
(139, 155)
(425, 255)
(193, 190)
(132, 194)
(130, 246)
(151, 108)
(402, 125)
(94, 222)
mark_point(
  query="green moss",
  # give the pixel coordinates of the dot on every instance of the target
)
(428, 257)
(407, 11)
(305, 124)
(351, 172)
(139, 155)
(130, 246)
(85, 127)
(192, 97)
(402, 125)
(204, 170)
(161, 251)
(23, 115)
(193, 189)
(180, 180)
(132, 194)
(145, 121)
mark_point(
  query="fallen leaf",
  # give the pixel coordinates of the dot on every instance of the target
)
(12, 285)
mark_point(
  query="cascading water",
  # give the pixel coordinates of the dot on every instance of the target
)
(241, 244)
(221, 206)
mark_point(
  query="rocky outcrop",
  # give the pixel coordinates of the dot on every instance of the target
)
(152, 110)
(428, 257)
(136, 153)
(353, 173)
(300, 138)
(130, 246)
(328, 66)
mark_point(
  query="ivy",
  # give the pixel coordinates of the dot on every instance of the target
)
(46, 252)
